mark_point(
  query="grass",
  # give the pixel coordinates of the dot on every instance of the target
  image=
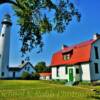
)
(44, 90)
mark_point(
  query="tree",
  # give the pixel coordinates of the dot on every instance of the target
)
(35, 19)
(35, 76)
(40, 67)
(48, 69)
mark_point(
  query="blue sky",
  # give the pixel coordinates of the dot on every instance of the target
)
(75, 33)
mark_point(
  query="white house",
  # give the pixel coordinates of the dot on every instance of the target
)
(80, 62)
(16, 72)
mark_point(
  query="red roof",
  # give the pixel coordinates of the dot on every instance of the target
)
(79, 53)
(45, 74)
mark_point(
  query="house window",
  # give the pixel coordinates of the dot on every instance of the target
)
(66, 69)
(7, 66)
(96, 53)
(2, 74)
(57, 71)
(66, 56)
(77, 70)
(25, 67)
(28, 68)
(14, 74)
(96, 68)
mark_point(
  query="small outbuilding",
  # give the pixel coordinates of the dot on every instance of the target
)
(45, 76)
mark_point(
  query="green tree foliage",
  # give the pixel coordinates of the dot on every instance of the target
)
(40, 67)
(48, 69)
(25, 75)
(37, 17)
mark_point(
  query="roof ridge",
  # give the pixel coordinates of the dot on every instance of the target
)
(91, 40)
(81, 44)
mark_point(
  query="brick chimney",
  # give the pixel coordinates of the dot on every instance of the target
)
(96, 36)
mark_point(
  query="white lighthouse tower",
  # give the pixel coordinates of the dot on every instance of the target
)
(5, 46)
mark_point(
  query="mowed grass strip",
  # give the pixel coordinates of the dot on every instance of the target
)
(40, 90)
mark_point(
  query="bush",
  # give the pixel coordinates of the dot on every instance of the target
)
(35, 76)
(76, 83)
(25, 75)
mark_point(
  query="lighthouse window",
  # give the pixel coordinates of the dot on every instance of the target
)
(2, 73)
(2, 35)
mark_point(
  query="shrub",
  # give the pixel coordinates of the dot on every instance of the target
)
(63, 81)
(84, 83)
(25, 75)
(35, 76)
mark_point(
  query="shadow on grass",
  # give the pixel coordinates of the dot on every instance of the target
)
(95, 97)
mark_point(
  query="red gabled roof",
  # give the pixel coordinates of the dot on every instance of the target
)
(80, 53)
(45, 74)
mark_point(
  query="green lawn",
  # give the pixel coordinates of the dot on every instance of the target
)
(44, 90)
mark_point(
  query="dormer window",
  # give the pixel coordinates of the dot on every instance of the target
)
(66, 56)
(67, 53)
